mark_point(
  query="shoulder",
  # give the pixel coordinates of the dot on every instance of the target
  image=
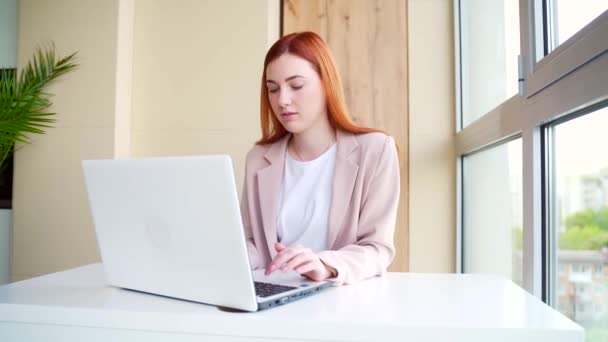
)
(257, 152)
(373, 150)
(374, 142)
(261, 155)
(255, 157)
(375, 145)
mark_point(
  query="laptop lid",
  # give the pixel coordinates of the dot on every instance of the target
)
(172, 226)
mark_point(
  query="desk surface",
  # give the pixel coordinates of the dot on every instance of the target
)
(396, 306)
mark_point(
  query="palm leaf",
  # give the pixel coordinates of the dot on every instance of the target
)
(23, 102)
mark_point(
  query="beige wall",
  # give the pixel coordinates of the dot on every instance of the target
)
(196, 83)
(432, 136)
(155, 79)
(52, 229)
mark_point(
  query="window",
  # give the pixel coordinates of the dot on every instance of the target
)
(581, 289)
(581, 224)
(492, 225)
(563, 83)
(581, 307)
(489, 50)
(570, 16)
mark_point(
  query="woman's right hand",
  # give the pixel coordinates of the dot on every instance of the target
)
(300, 259)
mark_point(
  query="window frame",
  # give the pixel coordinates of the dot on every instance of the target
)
(551, 91)
(577, 50)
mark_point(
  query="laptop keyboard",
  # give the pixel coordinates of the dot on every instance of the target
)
(267, 289)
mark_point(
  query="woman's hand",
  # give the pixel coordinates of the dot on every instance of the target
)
(300, 259)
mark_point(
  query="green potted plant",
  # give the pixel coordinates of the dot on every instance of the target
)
(23, 101)
(23, 111)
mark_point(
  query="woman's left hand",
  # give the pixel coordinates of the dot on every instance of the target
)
(300, 259)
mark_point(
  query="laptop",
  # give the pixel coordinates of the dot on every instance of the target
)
(172, 226)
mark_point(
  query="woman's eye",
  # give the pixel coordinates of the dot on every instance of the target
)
(294, 87)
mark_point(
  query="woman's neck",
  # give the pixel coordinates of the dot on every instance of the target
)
(311, 144)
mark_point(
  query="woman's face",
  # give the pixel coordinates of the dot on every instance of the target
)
(295, 93)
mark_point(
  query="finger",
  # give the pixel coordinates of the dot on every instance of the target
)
(271, 267)
(284, 257)
(297, 261)
(279, 260)
(307, 267)
(279, 247)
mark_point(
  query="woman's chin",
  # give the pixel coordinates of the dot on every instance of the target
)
(293, 127)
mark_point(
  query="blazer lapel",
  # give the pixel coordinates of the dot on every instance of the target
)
(345, 174)
(269, 187)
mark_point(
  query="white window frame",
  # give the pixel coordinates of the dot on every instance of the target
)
(572, 77)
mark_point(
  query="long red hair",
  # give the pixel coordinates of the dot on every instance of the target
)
(309, 46)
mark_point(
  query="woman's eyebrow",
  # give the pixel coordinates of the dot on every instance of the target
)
(287, 79)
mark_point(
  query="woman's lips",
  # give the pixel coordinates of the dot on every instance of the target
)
(288, 116)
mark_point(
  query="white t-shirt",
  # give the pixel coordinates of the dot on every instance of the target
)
(305, 200)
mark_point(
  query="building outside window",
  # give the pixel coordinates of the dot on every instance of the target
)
(581, 224)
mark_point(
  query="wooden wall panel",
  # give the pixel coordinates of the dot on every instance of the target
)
(369, 41)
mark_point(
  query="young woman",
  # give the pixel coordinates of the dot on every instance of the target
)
(321, 193)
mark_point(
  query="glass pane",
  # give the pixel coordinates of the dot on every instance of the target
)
(572, 15)
(581, 222)
(492, 211)
(489, 48)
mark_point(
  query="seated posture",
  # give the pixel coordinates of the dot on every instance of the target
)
(321, 193)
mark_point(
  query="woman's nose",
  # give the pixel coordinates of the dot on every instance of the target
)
(284, 97)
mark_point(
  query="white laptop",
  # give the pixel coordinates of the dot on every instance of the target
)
(172, 226)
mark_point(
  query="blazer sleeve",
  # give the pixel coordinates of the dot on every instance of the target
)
(252, 251)
(374, 250)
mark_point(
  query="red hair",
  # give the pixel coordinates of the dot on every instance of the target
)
(309, 46)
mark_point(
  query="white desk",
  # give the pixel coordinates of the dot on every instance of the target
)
(75, 305)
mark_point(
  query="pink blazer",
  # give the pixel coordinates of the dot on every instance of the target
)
(363, 209)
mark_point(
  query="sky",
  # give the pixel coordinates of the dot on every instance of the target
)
(581, 145)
